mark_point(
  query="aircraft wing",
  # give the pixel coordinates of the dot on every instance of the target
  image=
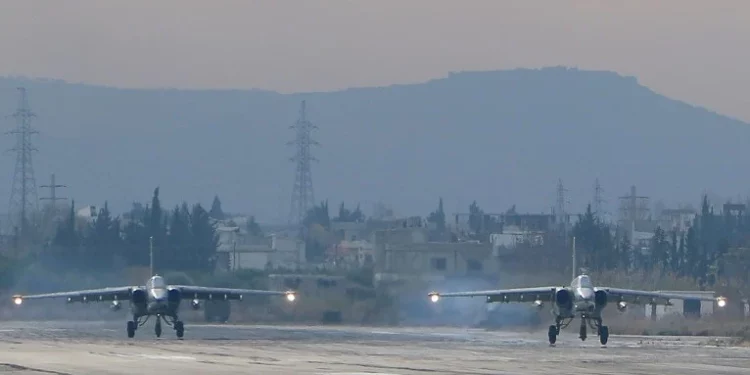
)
(544, 294)
(122, 293)
(648, 297)
(210, 293)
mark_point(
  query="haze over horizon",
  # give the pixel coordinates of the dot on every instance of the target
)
(687, 50)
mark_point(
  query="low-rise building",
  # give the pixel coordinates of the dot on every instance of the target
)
(239, 250)
(406, 253)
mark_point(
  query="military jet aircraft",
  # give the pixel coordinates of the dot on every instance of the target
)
(155, 298)
(581, 298)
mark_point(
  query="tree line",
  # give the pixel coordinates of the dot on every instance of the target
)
(713, 251)
(183, 238)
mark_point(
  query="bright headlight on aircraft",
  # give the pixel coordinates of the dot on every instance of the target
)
(721, 302)
(434, 298)
(291, 297)
(18, 300)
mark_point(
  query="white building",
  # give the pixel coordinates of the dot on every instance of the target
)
(239, 250)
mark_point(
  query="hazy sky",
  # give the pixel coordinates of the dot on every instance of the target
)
(693, 50)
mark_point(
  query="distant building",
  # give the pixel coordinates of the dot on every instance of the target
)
(239, 250)
(406, 253)
(677, 219)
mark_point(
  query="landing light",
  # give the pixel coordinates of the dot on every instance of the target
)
(290, 296)
(17, 300)
(721, 301)
(434, 297)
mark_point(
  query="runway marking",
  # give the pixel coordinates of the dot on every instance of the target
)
(153, 356)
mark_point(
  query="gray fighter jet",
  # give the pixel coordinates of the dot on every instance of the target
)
(581, 298)
(155, 298)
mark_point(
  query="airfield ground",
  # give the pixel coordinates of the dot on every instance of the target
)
(103, 348)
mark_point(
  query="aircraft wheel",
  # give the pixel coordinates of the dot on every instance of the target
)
(131, 328)
(603, 334)
(552, 334)
(583, 333)
(157, 330)
(180, 328)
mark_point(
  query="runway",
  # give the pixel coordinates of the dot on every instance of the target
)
(103, 348)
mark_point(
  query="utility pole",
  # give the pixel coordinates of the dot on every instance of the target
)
(303, 196)
(23, 198)
(53, 196)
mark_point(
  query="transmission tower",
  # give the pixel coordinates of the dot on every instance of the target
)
(598, 200)
(561, 216)
(302, 194)
(23, 197)
(53, 198)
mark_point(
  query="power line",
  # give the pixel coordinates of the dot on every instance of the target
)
(303, 194)
(23, 198)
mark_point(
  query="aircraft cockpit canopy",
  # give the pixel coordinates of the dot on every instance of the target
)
(582, 281)
(156, 282)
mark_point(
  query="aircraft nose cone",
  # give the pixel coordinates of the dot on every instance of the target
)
(159, 295)
(586, 294)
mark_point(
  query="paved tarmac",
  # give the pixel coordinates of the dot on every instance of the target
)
(103, 348)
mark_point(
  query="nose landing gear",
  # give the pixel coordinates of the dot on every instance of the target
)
(178, 325)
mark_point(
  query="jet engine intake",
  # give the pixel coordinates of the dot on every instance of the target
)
(564, 299)
(139, 297)
(600, 299)
(195, 304)
(173, 296)
(116, 305)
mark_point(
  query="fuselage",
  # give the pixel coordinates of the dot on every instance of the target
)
(583, 294)
(157, 296)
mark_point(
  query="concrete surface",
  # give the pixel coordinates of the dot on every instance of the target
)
(103, 348)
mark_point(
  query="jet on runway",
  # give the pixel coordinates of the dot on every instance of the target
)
(581, 298)
(155, 298)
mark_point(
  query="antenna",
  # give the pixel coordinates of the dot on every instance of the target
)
(151, 254)
(574, 258)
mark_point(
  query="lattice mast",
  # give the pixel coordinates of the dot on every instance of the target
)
(561, 216)
(303, 196)
(53, 198)
(598, 201)
(23, 198)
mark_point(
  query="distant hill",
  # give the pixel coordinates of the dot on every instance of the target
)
(501, 137)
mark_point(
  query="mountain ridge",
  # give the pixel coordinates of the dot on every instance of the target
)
(501, 137)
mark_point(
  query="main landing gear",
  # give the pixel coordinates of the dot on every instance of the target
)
(595, 323)
(171, 321)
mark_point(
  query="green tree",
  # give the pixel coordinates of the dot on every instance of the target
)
(216, 211)
(204, 242)
(594, 242)
(659, 251)
(103, 242)
(253, 228)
